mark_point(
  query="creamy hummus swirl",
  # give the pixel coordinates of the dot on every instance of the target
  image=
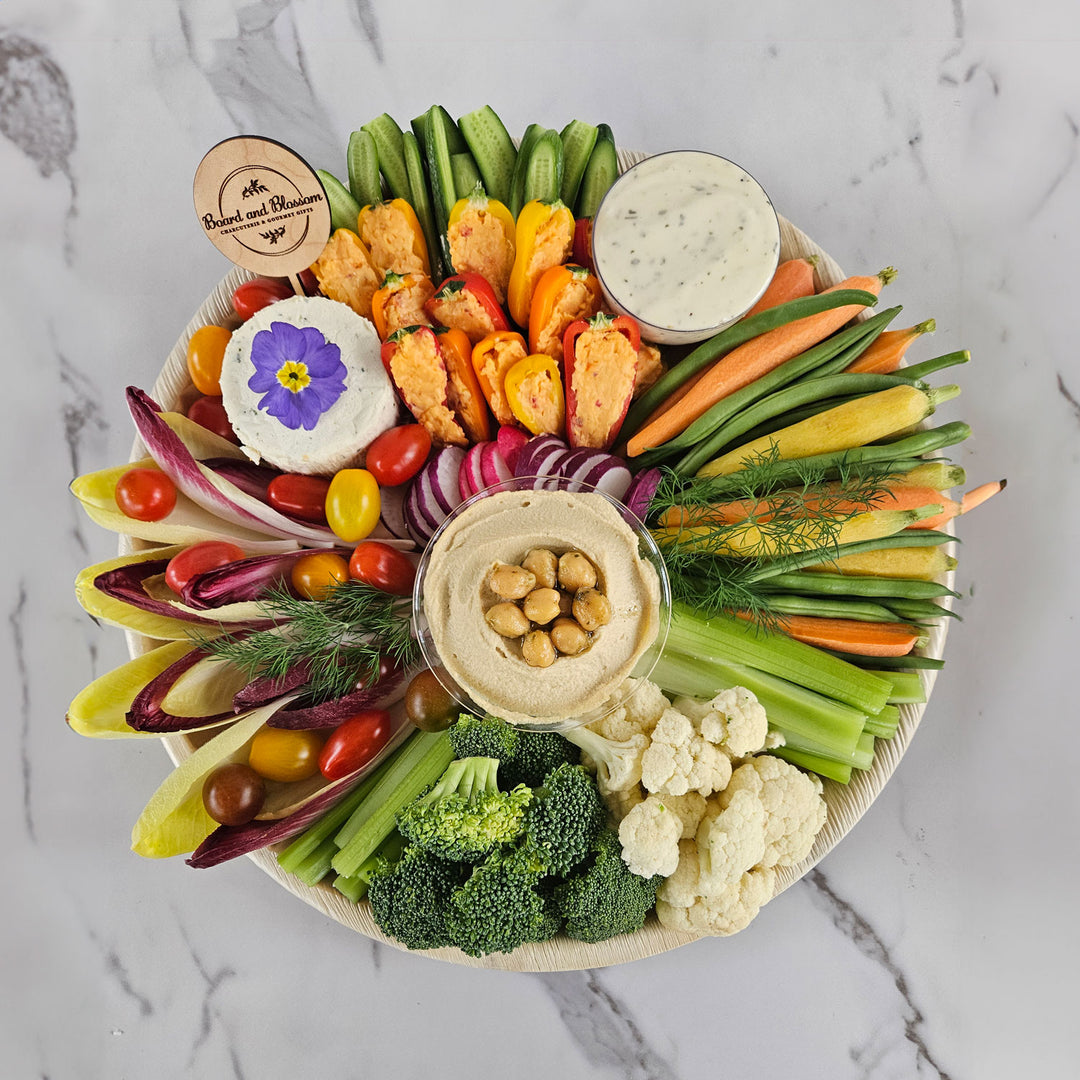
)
(503, 528)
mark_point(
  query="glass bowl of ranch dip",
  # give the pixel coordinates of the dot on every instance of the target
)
(542, 601)
(685, 242)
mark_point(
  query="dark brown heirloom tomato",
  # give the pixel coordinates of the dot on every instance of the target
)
(428, 704)
(300, 496)
(233, 794)
(208, 412)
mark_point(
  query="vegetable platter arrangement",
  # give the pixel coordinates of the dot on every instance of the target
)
(554, 579)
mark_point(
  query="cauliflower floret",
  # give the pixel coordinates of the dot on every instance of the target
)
(620, 803)
(792, 800)
(721, 913)
(679, 760)
(617, 763)
(680, 889)
(690, 809)
(649, 835)
(730, 838)
(737, 720)
(641, 704)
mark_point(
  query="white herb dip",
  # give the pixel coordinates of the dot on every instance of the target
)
(685, 242)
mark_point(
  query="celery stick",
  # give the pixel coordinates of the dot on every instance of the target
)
(884, 725)
(831, 770)
(317, 865)
(352, 888)
(907, 687)
(355, 887)
(422, 760)
(726, 638)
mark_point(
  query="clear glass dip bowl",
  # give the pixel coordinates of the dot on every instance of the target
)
(647, 550)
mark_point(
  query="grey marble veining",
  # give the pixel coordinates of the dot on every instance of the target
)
(938, 941)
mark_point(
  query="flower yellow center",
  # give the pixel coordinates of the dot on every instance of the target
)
(293, 376)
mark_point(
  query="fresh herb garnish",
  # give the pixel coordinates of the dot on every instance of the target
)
(341, 640)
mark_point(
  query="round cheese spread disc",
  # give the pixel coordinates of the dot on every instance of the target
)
(304, 387)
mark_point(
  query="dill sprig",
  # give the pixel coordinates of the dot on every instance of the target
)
(786, 508)
(341, 640)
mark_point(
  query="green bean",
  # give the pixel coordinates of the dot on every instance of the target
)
(849, 584)
(928, 367)
(789, 604)
(912, 660)
(919, 610)
(734, 335)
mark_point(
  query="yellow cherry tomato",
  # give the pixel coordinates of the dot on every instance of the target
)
(313, 576)
(281, 754)
(353, 504)
(205, 352)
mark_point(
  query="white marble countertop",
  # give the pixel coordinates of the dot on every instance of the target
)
(940, 939)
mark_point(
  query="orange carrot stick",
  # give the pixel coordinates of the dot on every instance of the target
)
(750, 361)
(977, 496)
(883, 356)
(793, 278)
(851, 635)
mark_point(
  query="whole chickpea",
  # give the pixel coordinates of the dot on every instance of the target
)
(537, 650)
(541, 605)
(592, 609)
(576, 572)
(511, 582)
(507, 619)
(544, 566)
(568, 637)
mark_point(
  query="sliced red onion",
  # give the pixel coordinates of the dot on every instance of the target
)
(639, 495)
(420, 529)
(611, 477)
(540, 445)
(511, 442)
(430, 509)
(205, 487)
(392, 511)
(444, 469)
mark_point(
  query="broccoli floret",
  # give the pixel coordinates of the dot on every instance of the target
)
(564, 817)
(506, 902)
(525, 757)
(465, 815)
(603, 899)
(487, 736)
(538, 753)
(410, 898)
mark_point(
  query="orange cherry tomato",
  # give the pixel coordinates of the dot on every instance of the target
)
(205, 352)
(354, 742)
(198, 559)
(382, 567)
(352, 504)
(313, 576)
(208, 412)
(281, 754)
(145, 494)
(300, 496)
(397, 455)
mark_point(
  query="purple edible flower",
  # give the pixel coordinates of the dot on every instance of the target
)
(298, 372)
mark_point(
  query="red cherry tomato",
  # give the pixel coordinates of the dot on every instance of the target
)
(314, 576)
(354, 742)
(383, 567)
(253, 296)
(208, 412)
(145, 494)
(299, 496)
(198, 559)
(398, 455)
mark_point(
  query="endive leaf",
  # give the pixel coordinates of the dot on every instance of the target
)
(201, 484)
(189, 523)
(175, 821)
(100, 710)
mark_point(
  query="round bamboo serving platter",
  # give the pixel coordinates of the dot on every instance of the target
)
(846, 804)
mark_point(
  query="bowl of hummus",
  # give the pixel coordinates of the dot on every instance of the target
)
(537, 599)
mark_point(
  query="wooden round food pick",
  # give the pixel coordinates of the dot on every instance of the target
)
(262, 206)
